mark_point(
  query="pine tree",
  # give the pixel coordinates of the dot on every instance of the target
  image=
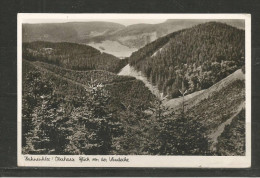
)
(183, 135)
(94, 125)
(175, 134)
(43, 124)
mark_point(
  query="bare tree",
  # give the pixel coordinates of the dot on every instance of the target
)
(183, 91)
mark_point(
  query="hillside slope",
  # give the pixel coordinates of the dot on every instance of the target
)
(55, 103)
(122, 88)
(232, 141)
(197, 97)
(198, 57)
(71, 56)
(217, 108)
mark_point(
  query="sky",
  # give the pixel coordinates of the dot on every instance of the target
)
(125, 22)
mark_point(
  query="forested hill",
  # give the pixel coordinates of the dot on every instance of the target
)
(68, 32)
(198, 57)
(71, 56)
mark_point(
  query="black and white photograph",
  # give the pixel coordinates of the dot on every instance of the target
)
(134, 90)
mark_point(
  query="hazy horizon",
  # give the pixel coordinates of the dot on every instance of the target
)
(125, 22)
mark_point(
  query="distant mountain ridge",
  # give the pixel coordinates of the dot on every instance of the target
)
(67, 32)
(133, 36)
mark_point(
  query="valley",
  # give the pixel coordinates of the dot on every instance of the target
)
(107, 92)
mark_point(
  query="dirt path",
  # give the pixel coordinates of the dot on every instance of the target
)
(214, 136)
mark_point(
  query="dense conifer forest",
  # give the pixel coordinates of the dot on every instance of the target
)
(72, 56)
(199, 57)
(69, 110)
